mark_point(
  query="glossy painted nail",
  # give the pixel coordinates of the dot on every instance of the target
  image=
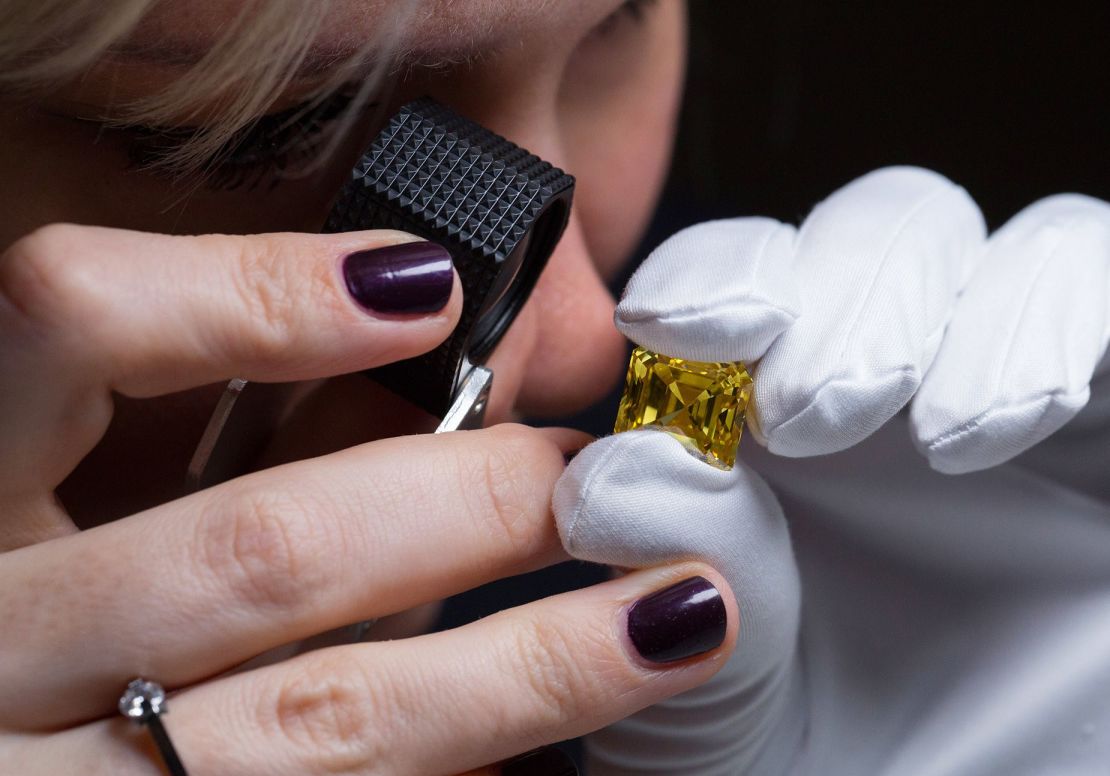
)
(678, 622)
(548, 761)
(411, 277)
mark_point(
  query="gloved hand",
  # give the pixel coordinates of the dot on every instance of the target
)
(897, 620)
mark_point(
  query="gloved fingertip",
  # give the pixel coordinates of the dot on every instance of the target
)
(837, 415)
(716, 291)
(995, 436)
(611, 475)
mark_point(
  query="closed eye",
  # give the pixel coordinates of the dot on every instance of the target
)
(258, 154)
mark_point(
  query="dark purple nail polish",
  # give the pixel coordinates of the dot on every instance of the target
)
(408, 278)
(678, 622)
(548, 761)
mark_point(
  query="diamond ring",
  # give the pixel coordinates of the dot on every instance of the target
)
(144, 702)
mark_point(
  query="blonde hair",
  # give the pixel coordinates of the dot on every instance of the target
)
(48, 42)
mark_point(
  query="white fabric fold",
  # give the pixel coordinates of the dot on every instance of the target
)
(639, 499)
(1023, 344)
(879, 264)
(930, 624)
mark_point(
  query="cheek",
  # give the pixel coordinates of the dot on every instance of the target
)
(620, 187)
(619, 110)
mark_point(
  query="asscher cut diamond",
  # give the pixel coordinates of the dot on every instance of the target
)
(701, 404)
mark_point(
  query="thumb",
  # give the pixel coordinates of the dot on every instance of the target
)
(639, 499)
(717, 291)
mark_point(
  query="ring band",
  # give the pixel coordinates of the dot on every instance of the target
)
(144, 702)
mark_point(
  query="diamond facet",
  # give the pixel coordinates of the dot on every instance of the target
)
(701, 404)
(141, 699)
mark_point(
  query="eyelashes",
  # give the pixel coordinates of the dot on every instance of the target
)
(258, 154)
(636, 8)
(629, 10)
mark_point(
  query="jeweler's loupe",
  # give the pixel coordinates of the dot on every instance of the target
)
(498, 210)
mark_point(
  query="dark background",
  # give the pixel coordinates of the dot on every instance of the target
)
(787, 101)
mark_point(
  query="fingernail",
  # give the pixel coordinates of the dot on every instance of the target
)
(412, 277)
(678, 622)
(548, 761)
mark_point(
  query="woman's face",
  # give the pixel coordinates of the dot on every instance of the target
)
(591, 86)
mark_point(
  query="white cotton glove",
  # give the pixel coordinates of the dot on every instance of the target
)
(947, 625)
(639, 499)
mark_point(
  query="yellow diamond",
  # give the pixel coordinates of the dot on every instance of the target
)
(702, 404)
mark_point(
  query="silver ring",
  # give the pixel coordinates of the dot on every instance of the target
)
(144, 702)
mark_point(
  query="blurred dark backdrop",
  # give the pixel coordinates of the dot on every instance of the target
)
(788, 100)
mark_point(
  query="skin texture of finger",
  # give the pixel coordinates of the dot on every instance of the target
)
(193, 588)
(717, 291)
(86, 311)
(879, 265)
(438, 704)
(1025, 339)
(639, 498)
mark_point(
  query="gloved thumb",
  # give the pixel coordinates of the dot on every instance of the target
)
(639, 499)
(717, 291)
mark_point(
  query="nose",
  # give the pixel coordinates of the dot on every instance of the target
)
(563, 353)
(576, 354)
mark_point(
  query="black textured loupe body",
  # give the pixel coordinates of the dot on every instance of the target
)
(498, 209)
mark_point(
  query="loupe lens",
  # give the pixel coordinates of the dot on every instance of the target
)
(519, 274)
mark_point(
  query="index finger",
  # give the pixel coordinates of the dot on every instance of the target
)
(152, 313)
(880, 264)
(88, 311)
